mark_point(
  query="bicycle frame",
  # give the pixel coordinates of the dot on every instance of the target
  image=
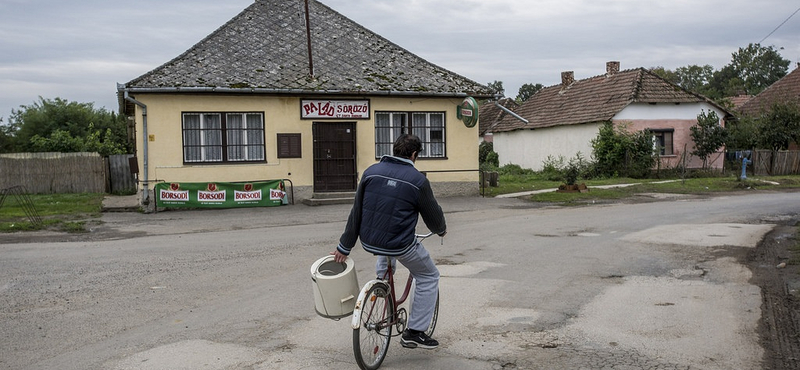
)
(356, 323)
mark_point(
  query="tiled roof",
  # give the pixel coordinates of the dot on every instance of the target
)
(489, 114)
(739, 100)
(596, 99)
(787, 89)
(264, 49)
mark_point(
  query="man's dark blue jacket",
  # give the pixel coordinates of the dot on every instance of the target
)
(390, 197)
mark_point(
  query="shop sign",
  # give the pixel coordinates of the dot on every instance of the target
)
(467, 111)
(335, 109)
(220, 194)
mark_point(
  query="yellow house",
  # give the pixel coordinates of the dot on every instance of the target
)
(291, 89)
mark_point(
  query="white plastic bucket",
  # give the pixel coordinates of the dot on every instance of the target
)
(335, 287)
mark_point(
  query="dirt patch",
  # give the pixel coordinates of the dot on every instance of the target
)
(776, 272)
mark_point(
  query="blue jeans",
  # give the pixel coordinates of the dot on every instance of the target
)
(420, 264)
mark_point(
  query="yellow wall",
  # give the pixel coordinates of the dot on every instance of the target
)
(282, 115)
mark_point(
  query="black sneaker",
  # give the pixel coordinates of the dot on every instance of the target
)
(417, 339)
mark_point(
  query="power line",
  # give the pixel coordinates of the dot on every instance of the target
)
(779, 26)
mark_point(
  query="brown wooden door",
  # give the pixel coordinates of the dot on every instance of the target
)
(335, 157)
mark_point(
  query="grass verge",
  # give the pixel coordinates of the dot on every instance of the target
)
(62, 212)
(522, 183)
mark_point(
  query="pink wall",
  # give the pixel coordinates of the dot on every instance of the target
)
(681, 137)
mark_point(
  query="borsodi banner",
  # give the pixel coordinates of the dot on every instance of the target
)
(220, 194)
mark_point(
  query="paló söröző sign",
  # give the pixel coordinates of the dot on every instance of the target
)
(220, 194)
(316, 109)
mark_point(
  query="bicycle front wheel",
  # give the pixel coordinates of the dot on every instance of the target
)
(371, 339)
(434, 319)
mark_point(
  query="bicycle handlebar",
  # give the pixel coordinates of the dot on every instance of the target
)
(422, 237)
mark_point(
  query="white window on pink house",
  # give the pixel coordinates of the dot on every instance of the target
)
(662, 141)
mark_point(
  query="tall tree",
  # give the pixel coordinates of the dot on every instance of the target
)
(526, 91)
(497, 88)
(724, 83)
(665, 74)
(758, 67)
(708, 136)
(79, 120)
(694, 77)
(6, 138)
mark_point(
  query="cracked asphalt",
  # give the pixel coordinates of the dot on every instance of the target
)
(647, 284)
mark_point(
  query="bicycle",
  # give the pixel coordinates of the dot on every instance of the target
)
(377, 311)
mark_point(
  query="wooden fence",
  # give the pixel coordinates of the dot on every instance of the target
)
(52, 173)
(769, 163)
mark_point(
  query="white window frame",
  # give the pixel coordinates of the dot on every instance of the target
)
(254, 151)
(409, 122)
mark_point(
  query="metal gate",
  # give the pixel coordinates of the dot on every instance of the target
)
(335, 157)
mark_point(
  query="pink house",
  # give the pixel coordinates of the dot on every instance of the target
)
(563, 119)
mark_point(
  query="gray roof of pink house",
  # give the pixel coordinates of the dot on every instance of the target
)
(264, 50)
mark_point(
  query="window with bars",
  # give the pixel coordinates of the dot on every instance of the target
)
(223, 137)
(428, 126)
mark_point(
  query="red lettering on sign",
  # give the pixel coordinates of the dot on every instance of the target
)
(243, 195)
(212, 196)
(174, 195)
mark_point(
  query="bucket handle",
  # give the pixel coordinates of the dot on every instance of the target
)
(345, 299)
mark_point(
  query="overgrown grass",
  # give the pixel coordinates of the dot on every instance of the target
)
(62, 212)
(524, 182)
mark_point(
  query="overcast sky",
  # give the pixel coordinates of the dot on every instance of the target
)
(80, 49)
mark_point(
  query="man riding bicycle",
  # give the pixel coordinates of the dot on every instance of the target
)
(390, 198)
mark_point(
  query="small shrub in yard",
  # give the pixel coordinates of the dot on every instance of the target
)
(552, 168)
(514, 170)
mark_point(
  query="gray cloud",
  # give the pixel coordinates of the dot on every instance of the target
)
(80, 50)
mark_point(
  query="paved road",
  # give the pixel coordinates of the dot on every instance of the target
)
(646, 285)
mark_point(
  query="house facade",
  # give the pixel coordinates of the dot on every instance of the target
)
(784, 91)
(296, 92)
(564, 119)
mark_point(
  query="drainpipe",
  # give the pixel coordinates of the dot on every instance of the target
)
(146, 183)
(517, 116)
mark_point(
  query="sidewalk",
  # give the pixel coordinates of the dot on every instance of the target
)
(121, 203)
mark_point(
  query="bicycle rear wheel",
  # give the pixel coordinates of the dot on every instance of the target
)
(371, 339)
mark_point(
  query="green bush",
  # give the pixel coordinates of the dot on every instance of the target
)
(493, 159)
(552, 168)
(483, 151)
(618, 152)
(514, 170)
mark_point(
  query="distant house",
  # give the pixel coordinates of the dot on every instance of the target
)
(491, 114)
(266, 97)
(563, 119)
(785, 90)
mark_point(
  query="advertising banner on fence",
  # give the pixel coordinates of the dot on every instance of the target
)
(220, 194)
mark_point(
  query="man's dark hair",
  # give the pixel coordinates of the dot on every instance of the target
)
(407, 144)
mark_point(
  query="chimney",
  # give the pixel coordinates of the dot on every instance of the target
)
(612, 68)
(567, 78)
